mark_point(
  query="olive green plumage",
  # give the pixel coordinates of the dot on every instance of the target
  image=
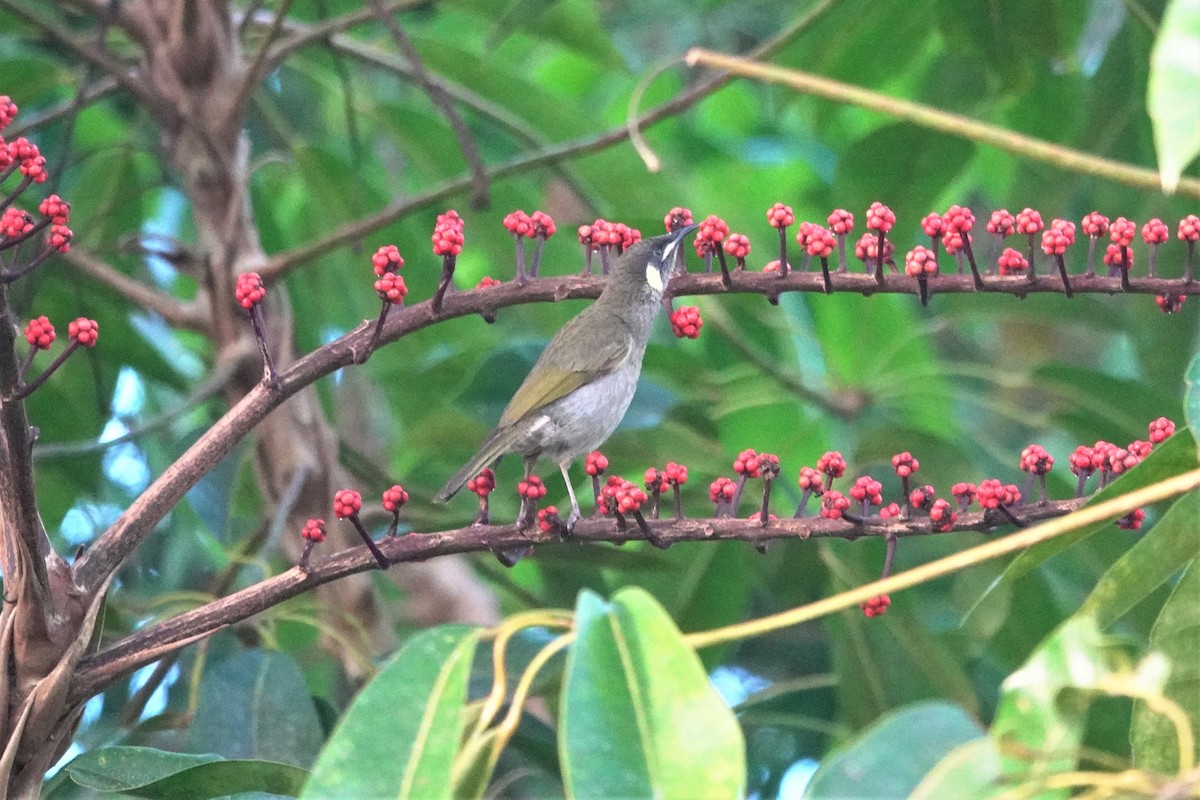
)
(580, 387)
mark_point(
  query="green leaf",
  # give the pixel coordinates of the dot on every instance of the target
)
(1036, 733)
(1157, 556)
(256, 705)
(1191, 398)
(147, 772)
(868, 766)
(1172, 457)
(969, 770)
(640, 717)
(400, 735)
(1175, 634)
(1173, 89)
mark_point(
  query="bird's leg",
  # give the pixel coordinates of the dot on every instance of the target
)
(576, 514)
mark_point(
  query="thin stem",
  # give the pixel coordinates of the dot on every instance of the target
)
(270, 376)
(378, 555)
(26, 389)
(383, 313)
(1062, 273)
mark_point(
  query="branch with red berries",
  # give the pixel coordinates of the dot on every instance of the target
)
(859, 513)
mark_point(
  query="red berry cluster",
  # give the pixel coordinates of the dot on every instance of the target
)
(387, 259)
(1029, 222)
(1161, 429)
(932, 225)
(1002, 223)
(747, 463)
(920, 261)
(518, 223)
(722, 490)
(992, 493)
(880, 217)
(833, 503)
(1189, 228)
(391, 288)
(867, 248)
(30, 162)
(820, 242)
(1035, 460)
(595, 464)
(686, 322)
(448, 234)
(394, 498)
(832, 464)
(620, 496)
(1011, 262)
(313, 531)
(249, 290)
(904, 464)
(876, 606)
(547, 519)
(711, 233)
(677, 218)
(15, 223)
(942, 515)
(840, 221)
(39, 332)
(1122, 232)
(811, 480)
(346, 503)
(532, 488)
(868, 491)
(487, 281)
(675, 474)
(1155, 232)
(8, 111)
(922, 497)
(84, 331)
(1094, 224)
(738, 245)
(780, 216)
(484, 483)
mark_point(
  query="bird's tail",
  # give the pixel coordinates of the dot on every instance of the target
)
(498, 442)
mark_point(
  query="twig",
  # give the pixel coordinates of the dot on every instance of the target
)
(260, 66)
(188, 315)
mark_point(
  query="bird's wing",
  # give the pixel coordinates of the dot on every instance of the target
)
(555, 377)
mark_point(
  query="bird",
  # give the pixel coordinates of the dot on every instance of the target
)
(578, 390)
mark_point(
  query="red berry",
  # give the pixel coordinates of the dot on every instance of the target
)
(40, 333)
(868, 489)
(1066, 228)
(737, 245)
(1035, 460)
(1132, 521)
(921, 497)
(1122, 231)
(629, 497)
(1055, 241)
(959, 219)
(314, 530)
(1161, 429)
(840, 221)
(532, 488)
(1094, 224)
(876, 606)
(1170, 303)
(780, 216)
(890, 511)
(904, 464)
(386, 259)
(484, 483)
(811, 480)
(1189, 228)
(1029, 222)
(391, 288)
(712, 229)
(832, 464)
(676, 474)
(1002, 223)
(394, 498)
(1140, 448)
(8, 111)
(676, 218)
(804, 233)
(15, 223)
(1113, 258)
(868, 248)
(595, 463)
(448, 234)
(346, 503)
(880, 217)
(964, 492)
(543, 224)
(59, 238)
(933, 225)
(547, 519)
(993, 494)
(747, 463)
(942, 515)
(920, 261)
(83, 330)
(250, 290)
(833, 503)
(1155, 232)
(1081, 460)
(820, 242)
(486, 282)
(952, 240)
(654, 477)
(518, 223)
(56, 208)
(722, 490)
(686, 322)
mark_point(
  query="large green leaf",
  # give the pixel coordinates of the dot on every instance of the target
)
(875, 764)
(146, 772)
(639, 716)
(256, 705)
(1170, 544)
(1175, 634)
(1191, 404)
(1174, 87)
(400, 735)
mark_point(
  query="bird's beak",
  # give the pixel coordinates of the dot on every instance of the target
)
(670, 252)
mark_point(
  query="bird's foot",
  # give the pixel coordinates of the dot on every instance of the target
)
(568, 525)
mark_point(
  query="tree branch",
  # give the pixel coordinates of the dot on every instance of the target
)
(193, 315)
(260, 66)
(150, 643)
(31, 122)
(355, 230)
(441, 101)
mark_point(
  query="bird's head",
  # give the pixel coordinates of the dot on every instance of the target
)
(644, 269)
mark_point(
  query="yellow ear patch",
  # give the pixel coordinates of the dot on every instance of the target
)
(654, 278)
